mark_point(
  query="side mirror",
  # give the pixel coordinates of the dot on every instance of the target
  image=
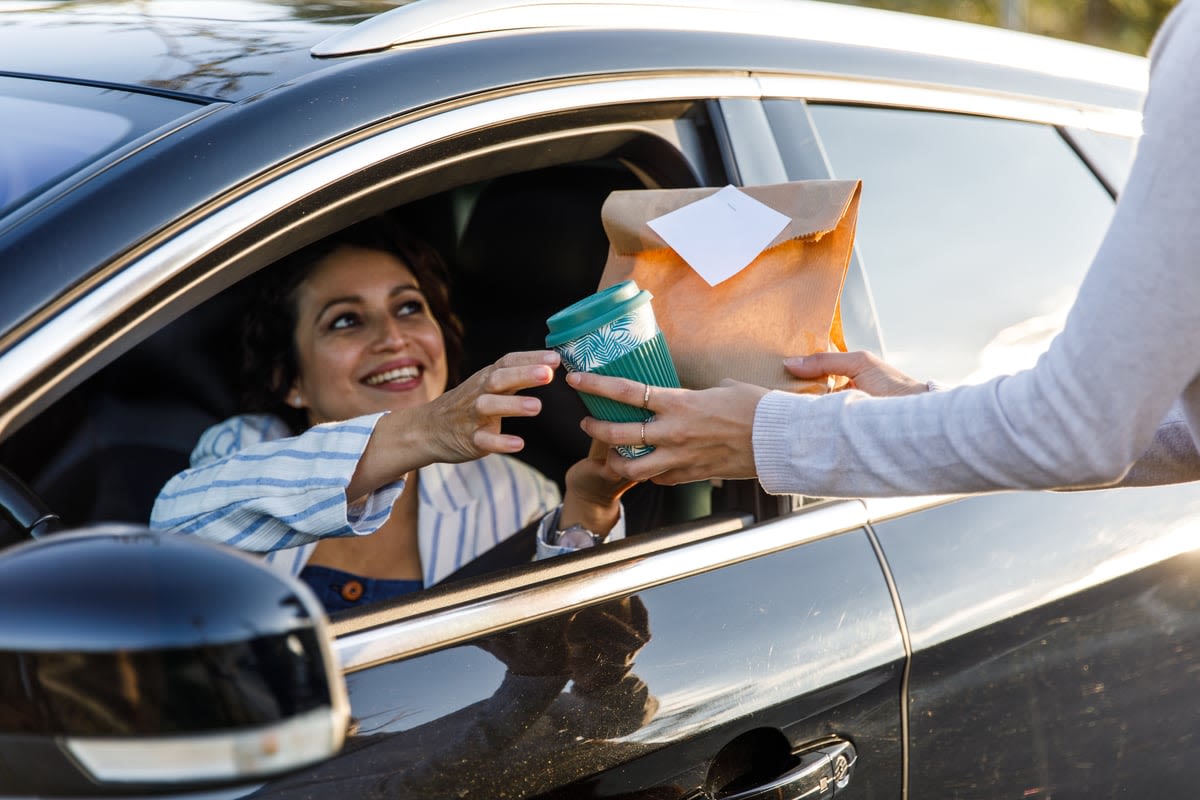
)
(135, 662)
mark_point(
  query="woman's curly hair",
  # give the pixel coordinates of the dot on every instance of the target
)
(269, 359)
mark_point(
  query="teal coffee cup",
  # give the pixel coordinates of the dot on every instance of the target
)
(613, 332)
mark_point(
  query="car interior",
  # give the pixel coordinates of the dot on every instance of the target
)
(520, 246)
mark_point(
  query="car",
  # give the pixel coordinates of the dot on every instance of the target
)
(156, 153)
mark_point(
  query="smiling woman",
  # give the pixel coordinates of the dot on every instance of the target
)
(322, 309)
(354, 467)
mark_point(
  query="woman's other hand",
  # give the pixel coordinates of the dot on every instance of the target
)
(593, 495)
(696, 434)
(865, 371)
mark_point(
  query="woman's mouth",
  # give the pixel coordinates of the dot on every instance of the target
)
(395, 377)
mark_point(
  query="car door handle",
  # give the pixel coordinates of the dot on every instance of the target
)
(820, 773)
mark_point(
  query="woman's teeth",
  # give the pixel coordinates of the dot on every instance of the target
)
(398, 374)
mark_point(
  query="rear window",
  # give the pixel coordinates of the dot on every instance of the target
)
(975, 233)
(52, 130)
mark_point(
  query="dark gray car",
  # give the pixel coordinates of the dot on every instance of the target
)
(153, 154)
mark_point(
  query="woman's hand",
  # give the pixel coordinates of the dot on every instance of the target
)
(593, 496)
(460, 425)
(866, 372)
(695, 434)
(464, 423)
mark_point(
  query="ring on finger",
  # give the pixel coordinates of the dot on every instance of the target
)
(646, 398)
(644, 433)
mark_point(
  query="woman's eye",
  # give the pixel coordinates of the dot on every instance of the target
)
(409, 307)
(342, 321)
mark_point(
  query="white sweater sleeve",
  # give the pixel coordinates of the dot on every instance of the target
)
(1092, 404)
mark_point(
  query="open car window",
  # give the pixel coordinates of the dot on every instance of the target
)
(522, 237)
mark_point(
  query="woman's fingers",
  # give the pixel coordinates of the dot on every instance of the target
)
(507, 405)
(488, 441)
(695, 434)
(629, 392)
(465, 421)
(616, 433)
(473, 411)
(645, 468)
(509, 380)
(818, 365)
(517, 371)
(529, 357)
(867, 372)
(639, 469)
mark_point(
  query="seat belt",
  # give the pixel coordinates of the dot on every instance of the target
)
(519, 548)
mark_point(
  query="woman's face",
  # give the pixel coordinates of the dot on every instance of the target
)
(365, 338)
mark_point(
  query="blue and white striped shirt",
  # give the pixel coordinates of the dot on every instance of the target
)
(255, 486)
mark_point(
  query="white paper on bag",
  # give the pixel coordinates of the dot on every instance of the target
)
(720, 235)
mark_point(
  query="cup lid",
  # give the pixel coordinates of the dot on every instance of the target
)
(595, 311)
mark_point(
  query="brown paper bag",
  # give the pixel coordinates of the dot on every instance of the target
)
(785, 303)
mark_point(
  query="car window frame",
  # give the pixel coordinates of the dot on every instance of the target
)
(69, 328)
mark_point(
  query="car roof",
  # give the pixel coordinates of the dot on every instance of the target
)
(286, 102)
(232, 49)
(804, 20)
(209, 49)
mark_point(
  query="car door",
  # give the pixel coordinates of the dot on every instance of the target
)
(685, 664)
(1053, 644)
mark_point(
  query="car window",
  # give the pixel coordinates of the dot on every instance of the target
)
(1110, 155)
(975, 233)
(64, 127)
(155, 402)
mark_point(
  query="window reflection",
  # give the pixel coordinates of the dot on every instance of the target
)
(52, 139)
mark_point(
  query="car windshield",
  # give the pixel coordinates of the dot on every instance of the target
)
(59, 128)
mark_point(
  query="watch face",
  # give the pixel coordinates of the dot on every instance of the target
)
(575, 536)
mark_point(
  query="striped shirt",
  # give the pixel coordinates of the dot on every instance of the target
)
(254, 486)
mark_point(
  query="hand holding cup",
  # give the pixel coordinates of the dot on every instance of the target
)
(613, 332)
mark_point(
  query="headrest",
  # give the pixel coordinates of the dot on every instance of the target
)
(533, 244)
(535, 239)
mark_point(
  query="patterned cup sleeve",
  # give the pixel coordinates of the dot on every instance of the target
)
(608, 342)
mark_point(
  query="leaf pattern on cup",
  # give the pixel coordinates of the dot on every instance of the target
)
(608, 342)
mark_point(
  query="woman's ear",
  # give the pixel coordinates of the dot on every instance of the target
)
(293, 398)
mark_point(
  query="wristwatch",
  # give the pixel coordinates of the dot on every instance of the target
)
(575, 536)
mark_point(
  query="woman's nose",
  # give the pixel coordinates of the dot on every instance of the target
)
(390, 334)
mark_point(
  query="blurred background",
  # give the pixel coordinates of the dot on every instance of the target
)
(1126, 25)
